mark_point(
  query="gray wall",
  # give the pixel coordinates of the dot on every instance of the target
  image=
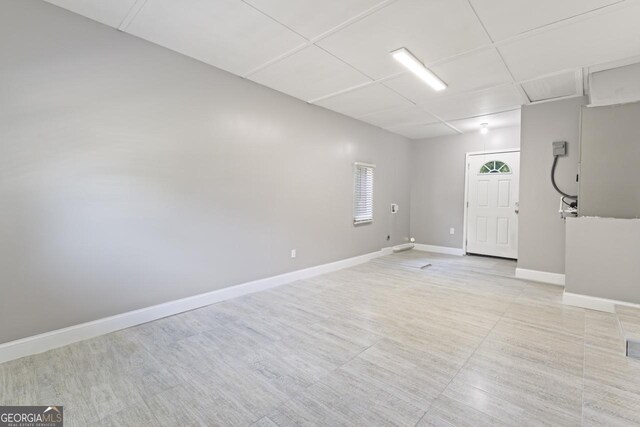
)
(602, 258)
(437, 182)
(610, 161)
(541, 231)
(131, 175)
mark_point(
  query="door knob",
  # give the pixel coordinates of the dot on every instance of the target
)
(517, 209)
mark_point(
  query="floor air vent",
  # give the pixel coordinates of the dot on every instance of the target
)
(633, 349)
(629, 324)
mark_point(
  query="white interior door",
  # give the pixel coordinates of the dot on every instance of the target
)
(492, 204)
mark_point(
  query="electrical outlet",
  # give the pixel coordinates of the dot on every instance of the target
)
(452, 230)
(293, 253)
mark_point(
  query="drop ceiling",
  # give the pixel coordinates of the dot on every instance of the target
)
(494, 55)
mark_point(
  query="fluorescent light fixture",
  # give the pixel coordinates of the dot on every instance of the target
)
(484, 128)
(414, 65)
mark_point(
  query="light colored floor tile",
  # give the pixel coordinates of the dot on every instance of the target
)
(506, 400)
(319, 405)
(325, 345)
(448, 412)
(367, 403)
(19, 384)
(167, 330)
(612, 370)
(520, 365)
(542, 293)
(406, 373)
(489, 404)
(602, 331)
(610, 406)
(191, 405)
(527, 344)
(264, 422)
(461, 342)
(629, 320)
(550, 316)
(132, 416)
(236, 390)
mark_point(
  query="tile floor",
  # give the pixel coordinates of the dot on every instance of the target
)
(384, 343)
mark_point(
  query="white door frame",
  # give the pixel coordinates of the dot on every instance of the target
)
(466, 186)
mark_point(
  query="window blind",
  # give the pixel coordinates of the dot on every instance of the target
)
(363, 193)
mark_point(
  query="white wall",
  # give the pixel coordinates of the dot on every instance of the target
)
(541, 231)
(610, 161)
(131, 175)
(602, 248)
(602, 258)
(437, 182)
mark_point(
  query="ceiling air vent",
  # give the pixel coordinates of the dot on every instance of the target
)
(615, 86)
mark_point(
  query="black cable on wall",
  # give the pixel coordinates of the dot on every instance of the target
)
(553, 180)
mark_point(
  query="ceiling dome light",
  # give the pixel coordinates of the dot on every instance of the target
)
(484, 128)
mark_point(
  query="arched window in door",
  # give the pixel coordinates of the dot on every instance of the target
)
(495, 166)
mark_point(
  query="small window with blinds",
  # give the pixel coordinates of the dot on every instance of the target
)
(362, 193)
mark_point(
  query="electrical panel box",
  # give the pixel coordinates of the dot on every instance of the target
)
(560, 148)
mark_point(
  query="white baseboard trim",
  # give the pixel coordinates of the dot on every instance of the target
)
(540, 276)
(61, 337)
(439, 249)
(594, 303)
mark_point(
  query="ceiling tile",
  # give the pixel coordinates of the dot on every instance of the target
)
(399, 116)
(432, 30)
(556, 86)
(474, 71)
(312, 18)
(110, 12)
(601, 38)
(423, 131)
(308, 74)
(495, 121)
(228, 34)
(367, 100)
(506, 18)
(473, 104)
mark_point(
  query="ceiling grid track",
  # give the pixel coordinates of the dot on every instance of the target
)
(521, 91)
(503, 57)
(577, 16)
(423, 109)
(497, 44)
(313, 41)
(133, 12)
(442, 121)
(356, 87)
